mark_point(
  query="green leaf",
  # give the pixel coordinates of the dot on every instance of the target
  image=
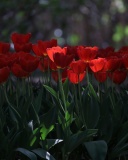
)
(44, 131)
(96, 149)
(37, 101)
(76, 139)
(90, 108)
(92, 91)
(51, 90)
(53, 142)
(43, 154)
(27, 153)
(49, 118)
(66, 88)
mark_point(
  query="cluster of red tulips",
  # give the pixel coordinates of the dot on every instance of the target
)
(74, 61)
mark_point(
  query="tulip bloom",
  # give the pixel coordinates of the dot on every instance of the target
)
(40, 48)
(20, 38)
(4, 74)
(100, 76)
(97, 65)
(74, 77)
(87, 53)
(18, 71)
(118, 76)
(78, 66)
(28, 62)
(112, 63)
(4, 48)
(59, 56)
(63, 75)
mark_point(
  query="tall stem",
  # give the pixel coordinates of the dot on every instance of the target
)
(61, 89)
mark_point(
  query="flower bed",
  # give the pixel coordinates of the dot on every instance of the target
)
(78, 109)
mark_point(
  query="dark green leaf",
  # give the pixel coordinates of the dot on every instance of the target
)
(51, 90)
(27, 153)
(43, 154)
(76, 139)
(96, 149)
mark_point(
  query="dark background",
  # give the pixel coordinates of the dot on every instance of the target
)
(73, 22)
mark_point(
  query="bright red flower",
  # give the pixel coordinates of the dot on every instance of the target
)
(4, 48)
(97, 65)
(4, 74)
(28, 62)
(59, 57)
(78, 66)
(20, 38)
(18, 71)
(100, 76)
(75, 78)
(87, 53)
(118, 76)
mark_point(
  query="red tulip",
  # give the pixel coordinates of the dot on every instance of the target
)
(59, 57)
(43, 45)
(118, 76)
(28, 62)
(4, 48)
(73, 50)
(43, 64)
(18, 71)
(26, 47)
(63, 75)
(97, 65)
(78, 66)
(4, 74)
(112, 63)
(100, 76)
(75, 78)
(87, 53)
(105, 52)
(125, 61)
(20, 38)
(36, 50)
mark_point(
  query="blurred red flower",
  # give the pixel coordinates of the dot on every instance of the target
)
(4, 74)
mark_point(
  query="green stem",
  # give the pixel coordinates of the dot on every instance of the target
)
(76, 100)
(61, 89)
(10, 103)
(79, 93)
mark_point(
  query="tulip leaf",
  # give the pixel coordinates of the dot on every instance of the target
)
(90, 108)
(44, 131)
(49, 118)
(76, 139)
(27, 153)
(66, 88)
(51, 90)
(96, 149)
(43, 154)
(53, 142)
